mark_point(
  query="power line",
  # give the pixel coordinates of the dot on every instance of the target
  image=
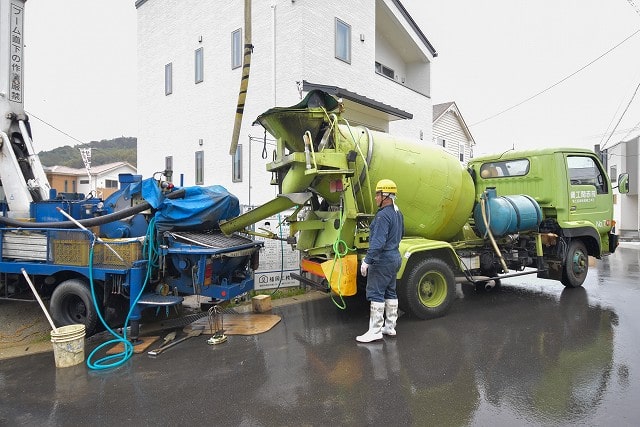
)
(623, 113)
(636, 127)
(555, 84)
(53, 127)
(606, 132)
(601, 136)
(633, 4)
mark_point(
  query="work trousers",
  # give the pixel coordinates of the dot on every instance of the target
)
(381, 280)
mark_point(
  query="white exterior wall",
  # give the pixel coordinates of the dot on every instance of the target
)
(112, 175)
(448, 127)
(303, 37)
(98, 181)
(624, 157)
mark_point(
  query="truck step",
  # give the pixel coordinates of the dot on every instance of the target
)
(159, 300)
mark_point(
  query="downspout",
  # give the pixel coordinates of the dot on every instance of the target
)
(273, 49)
(274, 62)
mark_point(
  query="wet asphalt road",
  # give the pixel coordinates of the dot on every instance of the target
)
(529, 353)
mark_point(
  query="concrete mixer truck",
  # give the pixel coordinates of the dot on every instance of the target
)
(538, 212)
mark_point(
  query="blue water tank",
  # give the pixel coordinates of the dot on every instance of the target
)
(507, 214)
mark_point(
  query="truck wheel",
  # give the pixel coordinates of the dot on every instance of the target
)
(71, 303)
(576, 265)
(429, 289)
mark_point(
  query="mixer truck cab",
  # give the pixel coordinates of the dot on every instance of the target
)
(570, 185)
(575, 197)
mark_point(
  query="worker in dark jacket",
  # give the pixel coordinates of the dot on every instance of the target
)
(382, 262)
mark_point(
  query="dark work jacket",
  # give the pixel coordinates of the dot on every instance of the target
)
(387, 228)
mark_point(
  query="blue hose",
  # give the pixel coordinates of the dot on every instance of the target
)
(122, 357)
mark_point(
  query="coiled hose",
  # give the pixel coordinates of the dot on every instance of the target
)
(127, 352)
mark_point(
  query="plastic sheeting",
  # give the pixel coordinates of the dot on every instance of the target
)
(200, 209)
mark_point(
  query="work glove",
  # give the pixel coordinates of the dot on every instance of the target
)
(364, 268)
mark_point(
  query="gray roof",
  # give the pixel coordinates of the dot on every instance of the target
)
(352, 96)
(415, 27)
(440, 109)
(95, 170)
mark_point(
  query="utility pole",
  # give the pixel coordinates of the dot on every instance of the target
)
(86, 159)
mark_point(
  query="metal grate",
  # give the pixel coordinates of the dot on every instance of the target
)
(185, 320)
(212, 239)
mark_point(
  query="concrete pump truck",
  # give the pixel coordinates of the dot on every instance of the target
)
(146, 245)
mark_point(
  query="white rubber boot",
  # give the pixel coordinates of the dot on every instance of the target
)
(376, 319)
(391, 310)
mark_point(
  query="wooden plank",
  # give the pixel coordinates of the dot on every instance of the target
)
(139, 348)
(239, 324)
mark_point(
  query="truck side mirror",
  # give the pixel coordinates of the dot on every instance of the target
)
(623, 183)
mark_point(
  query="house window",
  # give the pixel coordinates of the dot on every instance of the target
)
(343, 41)
(168, 79)
(66, 186)
(84, 181)
(199, 167)
(613, 173)
(237, 165)
(236, 48)
(111, 183)
(199, 66)
(462, 152)
(385, 71)
(441, 142)
(73, 186)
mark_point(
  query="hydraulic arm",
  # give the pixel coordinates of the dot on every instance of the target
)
(22, 178)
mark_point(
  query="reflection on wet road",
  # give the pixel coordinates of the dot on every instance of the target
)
(528, 353)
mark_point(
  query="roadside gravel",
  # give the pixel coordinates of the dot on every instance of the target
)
(24, 329)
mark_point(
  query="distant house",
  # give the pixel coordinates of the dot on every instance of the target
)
(619, 158)
(451, 132)
(103, 178)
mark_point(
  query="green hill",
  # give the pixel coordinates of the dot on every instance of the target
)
(123, 149)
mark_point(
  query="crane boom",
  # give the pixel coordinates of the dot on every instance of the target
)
(22, 178)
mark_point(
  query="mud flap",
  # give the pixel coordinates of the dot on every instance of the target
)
(613, 242)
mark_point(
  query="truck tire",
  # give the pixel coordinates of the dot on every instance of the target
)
(429, 289)
(576, 265)
(71, 303)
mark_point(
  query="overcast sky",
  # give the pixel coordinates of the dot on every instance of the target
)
(492, 55)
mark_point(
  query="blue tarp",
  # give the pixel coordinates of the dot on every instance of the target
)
(201, 208)
(150, 192)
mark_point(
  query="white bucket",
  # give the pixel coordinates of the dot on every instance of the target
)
(68, 345)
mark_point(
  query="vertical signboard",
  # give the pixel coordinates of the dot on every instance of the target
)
(16, 28)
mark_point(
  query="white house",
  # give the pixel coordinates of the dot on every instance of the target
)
(451, 132)
(623, 157)
(103, 178)
(372, 54)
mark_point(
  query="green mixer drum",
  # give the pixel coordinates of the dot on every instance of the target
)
(435, 193)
